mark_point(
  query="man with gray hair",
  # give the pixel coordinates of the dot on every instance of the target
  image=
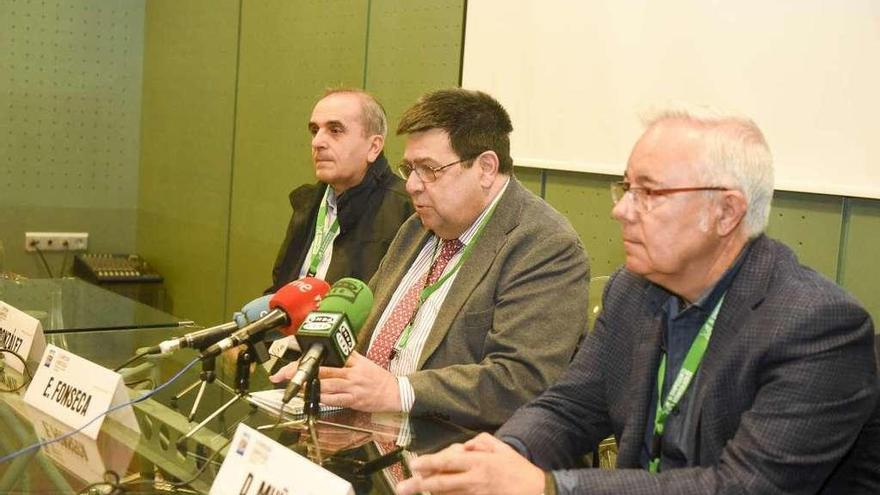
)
(719, 363)
(342, 226)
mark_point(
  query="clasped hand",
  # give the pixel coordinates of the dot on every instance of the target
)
(483, 465)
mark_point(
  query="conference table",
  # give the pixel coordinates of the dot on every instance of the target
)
(166, 455)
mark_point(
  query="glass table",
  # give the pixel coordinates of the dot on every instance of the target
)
(165, 456)
(72, 304)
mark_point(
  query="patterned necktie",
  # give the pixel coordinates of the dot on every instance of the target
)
(380, 351)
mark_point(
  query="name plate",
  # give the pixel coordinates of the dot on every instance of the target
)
(22, 334)
(75, 391)
(83, 457)
(256, 464)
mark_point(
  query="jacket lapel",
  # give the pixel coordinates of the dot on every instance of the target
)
(504, 219)
(305, 204)
(746, 292)
(643, 369)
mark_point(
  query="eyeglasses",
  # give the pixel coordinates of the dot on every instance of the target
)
(426, 173)
(643, 196)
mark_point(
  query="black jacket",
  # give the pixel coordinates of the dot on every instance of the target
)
(369, 216)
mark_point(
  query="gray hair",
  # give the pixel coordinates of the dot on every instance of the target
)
(737, 156)
(372, 113)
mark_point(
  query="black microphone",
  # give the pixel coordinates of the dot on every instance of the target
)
(330, 332)
(289, 307)
(200, 339)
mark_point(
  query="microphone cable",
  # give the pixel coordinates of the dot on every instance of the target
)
(135, 358)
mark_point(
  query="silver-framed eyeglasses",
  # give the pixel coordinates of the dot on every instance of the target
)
(426, 173)
(643, 196)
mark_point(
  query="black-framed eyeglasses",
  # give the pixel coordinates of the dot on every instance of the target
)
(643, 195)
(426, 173)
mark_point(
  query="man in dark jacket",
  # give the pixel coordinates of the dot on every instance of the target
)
(719, 363)
(342, 225)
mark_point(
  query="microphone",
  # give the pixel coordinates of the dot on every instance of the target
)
(289, 306)
(330, 332)
(200, 339)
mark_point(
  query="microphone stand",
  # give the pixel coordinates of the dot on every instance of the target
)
(206, 377)
(311, 411)
(246, 357)
(312, 398)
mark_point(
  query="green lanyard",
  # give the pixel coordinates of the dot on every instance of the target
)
(323, 237)
(680, 385)
(430, 289)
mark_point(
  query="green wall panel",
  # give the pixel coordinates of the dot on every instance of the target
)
(810, 224)
(225, 140)
(70, 93)
(188, 114)
(585, 200)
(531, 178)
(414, 47)
(860, 271)
(290, 53)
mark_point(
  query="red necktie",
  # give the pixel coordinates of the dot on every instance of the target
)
(380, 351)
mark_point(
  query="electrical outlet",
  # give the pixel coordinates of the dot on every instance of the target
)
(56, 241)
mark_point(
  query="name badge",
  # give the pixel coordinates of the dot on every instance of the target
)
(256, 464)
(75, 391)
(22, 334)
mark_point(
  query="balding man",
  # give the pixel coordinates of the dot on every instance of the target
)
(342, 226)
(719, 363)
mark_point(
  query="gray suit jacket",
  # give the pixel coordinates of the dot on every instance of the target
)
(511, 320)
(785, 387)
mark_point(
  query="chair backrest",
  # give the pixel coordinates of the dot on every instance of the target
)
(597, 287)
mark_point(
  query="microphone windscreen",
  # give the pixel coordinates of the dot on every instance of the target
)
(351, 297)
(252, 311)
(297, 299)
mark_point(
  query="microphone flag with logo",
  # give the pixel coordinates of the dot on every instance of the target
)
(330, 333)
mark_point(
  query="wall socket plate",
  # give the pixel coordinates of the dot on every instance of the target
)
(56, 241)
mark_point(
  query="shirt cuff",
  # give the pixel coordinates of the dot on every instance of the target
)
(517, 445)
(407, 394)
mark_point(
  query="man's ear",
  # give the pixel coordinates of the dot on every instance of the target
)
(488, 163)
(733, 207)
(377, 143)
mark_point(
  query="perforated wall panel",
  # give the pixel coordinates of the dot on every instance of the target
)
(70, 90)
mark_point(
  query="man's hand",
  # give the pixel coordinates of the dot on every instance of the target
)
(361, 385)
(483, 465)
(285, 373)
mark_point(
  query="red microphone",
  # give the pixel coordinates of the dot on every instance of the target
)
(290, 306)
(297, 299)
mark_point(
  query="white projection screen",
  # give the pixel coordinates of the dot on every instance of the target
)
(577, 75)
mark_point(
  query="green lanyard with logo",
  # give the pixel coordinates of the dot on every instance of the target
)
(430, 289)
(680, 385)
(323, 236)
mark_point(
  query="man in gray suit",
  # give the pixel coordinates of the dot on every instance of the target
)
(481, 298)
(719, 363)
